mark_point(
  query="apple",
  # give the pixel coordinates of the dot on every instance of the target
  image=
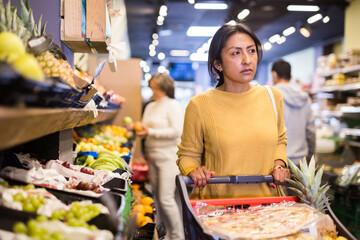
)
(127, 120)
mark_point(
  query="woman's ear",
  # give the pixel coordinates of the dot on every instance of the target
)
(218, 66)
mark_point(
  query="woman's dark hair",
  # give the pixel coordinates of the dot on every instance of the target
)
(165, 83)
(282, 69)
(218, 43)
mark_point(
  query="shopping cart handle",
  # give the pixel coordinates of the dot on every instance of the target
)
(244, 179)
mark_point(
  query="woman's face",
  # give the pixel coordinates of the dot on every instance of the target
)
(157, 92)
(239, 59)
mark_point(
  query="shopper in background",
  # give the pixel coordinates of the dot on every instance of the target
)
(162, 127)
(233, 129)
(299, 120)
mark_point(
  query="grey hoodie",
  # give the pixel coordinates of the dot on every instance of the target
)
(299, 122)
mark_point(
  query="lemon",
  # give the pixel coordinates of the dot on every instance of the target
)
(11, 47)
(28, 66)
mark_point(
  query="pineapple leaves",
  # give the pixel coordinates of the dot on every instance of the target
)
(23, 10)
(39, 26)
(8, 15)
(2, 12)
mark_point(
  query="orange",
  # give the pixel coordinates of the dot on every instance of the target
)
(148, 209)
(138, 126)
(147, 201)
(139, 208)
(140, 219)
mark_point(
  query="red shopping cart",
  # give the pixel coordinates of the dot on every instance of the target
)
(192, 227)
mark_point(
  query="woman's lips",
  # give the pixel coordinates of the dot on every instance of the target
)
(246, 71)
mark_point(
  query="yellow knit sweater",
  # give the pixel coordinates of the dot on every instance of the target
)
(233, 134)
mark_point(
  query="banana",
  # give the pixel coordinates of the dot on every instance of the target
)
(119, 163)
(104, 161)
(89, 160)
(105, 167)
(106, 154)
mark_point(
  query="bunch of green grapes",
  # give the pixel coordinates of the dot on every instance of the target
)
(32, 230)
(31, 203)
(78, 215)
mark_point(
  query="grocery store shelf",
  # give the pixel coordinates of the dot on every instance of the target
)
(350, 69)
(19, 125)
(340, 88)
(351, 131)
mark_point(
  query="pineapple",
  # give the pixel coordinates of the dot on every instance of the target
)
(22, 23)
(307, 182)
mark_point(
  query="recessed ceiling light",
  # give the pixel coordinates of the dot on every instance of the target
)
(161, 56)
(217, 6)
(199, 31)
(303, 8)
(146, 69)
(147, 76)
(160, 18)
(179, 53)
(243, 14)
(274, 38)
(152, 53)
(159, 23)
(161, 69)
(191, 1)
(155, 42)
(143, 63)
(305, 31)
(314, 18)
(281, 40)
(163, 11)
(267, 46)
(151, 47)
(289, 31)
(155, 36)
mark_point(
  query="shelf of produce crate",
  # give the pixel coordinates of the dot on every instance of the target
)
(349, 69)
(20, 125)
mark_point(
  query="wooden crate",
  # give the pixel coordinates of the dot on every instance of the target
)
(95, 38)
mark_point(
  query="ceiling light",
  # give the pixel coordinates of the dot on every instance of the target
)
(281, 40)
(151, 47)
(314, 18)
(165, 33)
(161, 56)
(155, 42)
(303, 8)
(163, 11)
(147, 76)
(179, 53)
(243, 14)
(305, 31)
(159, 23)
(161, 69)
(289, 31)
(267, 46)
(198, 31)
(231, 22)
(143, 63)
(326, 19)
(152, 53)
(191, 1)
(146, 69)
(155, 36)
(274, 38)
(217, 6)
(160, 18)
(195, 57)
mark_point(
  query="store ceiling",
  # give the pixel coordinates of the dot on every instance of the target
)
(267, 17)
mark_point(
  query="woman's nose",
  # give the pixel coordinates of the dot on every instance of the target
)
(245, 58)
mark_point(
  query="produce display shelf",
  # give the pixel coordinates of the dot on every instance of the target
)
(20, 125)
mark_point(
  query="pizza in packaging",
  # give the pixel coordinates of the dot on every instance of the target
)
(286, 220)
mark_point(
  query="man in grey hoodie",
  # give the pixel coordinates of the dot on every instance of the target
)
(298, 116)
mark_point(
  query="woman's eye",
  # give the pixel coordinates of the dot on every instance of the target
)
(252, 50)
(236, 53)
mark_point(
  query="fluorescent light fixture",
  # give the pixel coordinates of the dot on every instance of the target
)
(195, 57)
(326, 19)
(165, 33)
(289, 31)
(198, 31)
(243, 14)
(305, 32)
(179, 53)
(274, 38)
(267, 46)
(155, 36)
(303, 8)
(281, 40)
(213, 6)
(161, 56)
(151, 47)
(191, 1)
(161, 69)
(163, 11)
(152, 53)
(314, 18)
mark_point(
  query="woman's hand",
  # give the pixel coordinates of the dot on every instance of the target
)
(201, 176)
(279, 173)
(144, 132)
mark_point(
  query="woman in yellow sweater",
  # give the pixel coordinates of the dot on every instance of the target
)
(232, 129)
